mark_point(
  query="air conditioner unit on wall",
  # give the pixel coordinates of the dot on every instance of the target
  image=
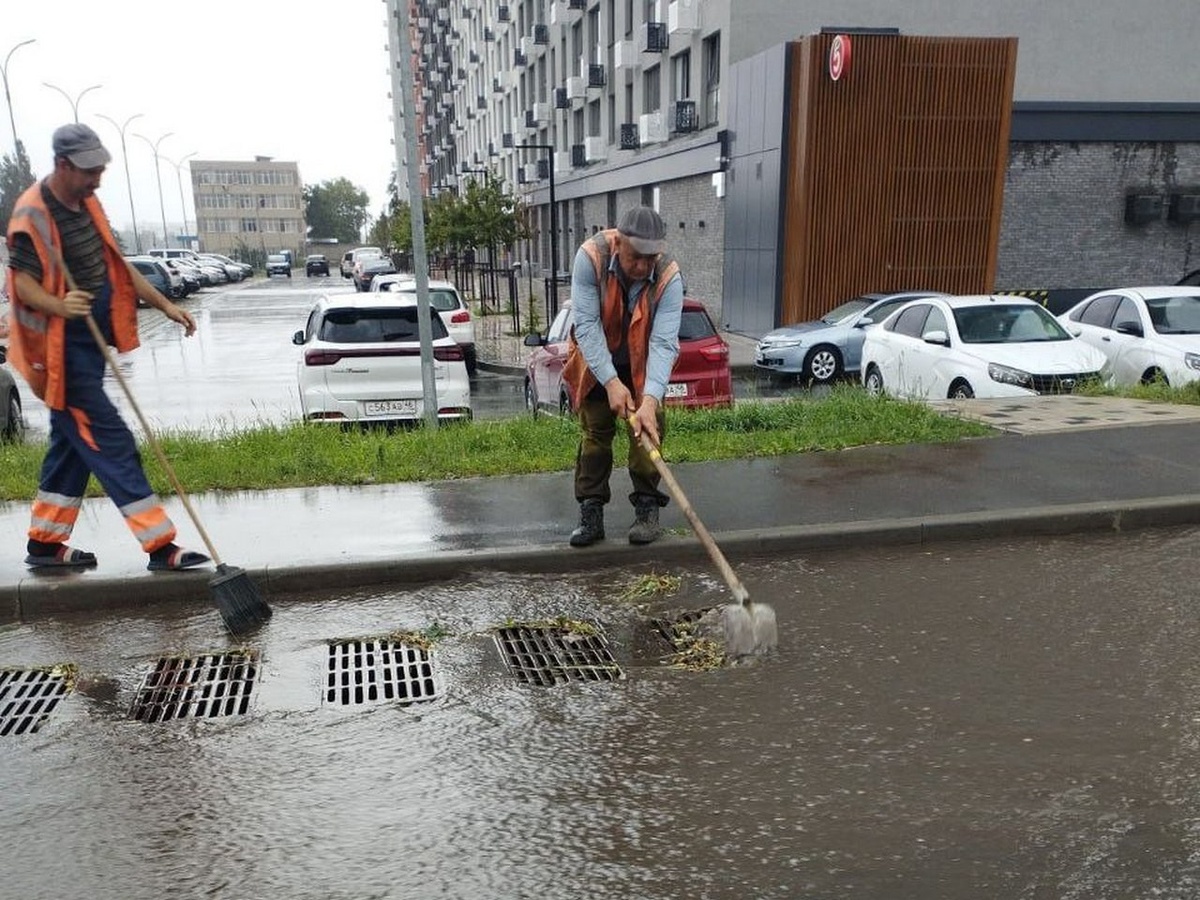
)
(1142, 208)
(531, 171)
(652, 129)
(625, 55)
(576, 88)
(1184, 207)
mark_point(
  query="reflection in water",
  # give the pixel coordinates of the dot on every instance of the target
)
(1003, 720)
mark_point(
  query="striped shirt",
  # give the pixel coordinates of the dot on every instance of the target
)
(82, 248)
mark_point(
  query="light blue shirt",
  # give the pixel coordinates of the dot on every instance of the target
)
(589, 329)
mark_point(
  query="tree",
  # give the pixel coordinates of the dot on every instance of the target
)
(335, 209)
(15, 175)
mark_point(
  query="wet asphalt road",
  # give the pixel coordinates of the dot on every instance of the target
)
(1011, 719)
(239, 369)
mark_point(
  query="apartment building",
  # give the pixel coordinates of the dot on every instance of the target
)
(600, 104)
(247, 209)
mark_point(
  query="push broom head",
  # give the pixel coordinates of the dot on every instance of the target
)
(238, 600)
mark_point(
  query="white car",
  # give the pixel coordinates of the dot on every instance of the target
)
(977, 346)
(360, 361)
(1145, 333)
(445, 298)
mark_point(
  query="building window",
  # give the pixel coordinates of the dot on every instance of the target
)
(651, 90)
(712, 78)
(681, 76)
(628, 18)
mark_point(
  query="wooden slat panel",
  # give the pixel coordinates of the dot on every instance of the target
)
(896, 172)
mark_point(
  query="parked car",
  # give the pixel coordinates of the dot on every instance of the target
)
(12, 424)
(701, 376)
(169, 283)
(350, 257)
(316, 264)
(233, 272)
(828, 348)
(976, 346)
(192, 278)
(1145, 333)
(367, 267)
(247, 270)
(277, 264)
(360, 361)
(445, 298)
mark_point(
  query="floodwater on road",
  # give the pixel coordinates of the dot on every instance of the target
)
(1009, 719)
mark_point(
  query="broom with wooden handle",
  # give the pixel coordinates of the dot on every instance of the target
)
(748, 627)
(241, 605)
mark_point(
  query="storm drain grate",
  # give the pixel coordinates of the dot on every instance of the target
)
(201, 687)
(678, 627)
(382, 670)
(549, 655)
(28, 696)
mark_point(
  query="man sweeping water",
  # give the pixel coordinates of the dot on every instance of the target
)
(65, 264)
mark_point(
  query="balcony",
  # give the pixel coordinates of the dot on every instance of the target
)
(578, 156)
(595, 149)
(503, 14)
(652, 129)
(520, 60)
(489, 36)
(561, 100)
(626, 55)
(595, 75)
(562, 161)
(683, 116)
(541, 34)
(629, 137)
(531, 171)
(654, 37)
(506, 140)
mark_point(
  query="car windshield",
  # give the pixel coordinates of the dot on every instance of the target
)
(847, 309)
(695, 325)
(998, 323)
(276, 258)
(369, 326)
(1175, 315)
(441, 300)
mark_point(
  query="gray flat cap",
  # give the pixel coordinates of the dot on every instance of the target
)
(645, 230)
(81, 146)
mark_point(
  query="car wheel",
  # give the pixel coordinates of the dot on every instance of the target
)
(822, 365)
(873, 382)
(961, 390)
(530, 402)
(1155, 376)
(14, 425)
(472, 361)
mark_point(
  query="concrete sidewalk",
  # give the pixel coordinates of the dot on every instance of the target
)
(1067, 480)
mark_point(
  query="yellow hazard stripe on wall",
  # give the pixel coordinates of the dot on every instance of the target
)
(1040, 296)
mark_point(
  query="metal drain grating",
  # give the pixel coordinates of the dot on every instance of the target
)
(678, 627)
(548, 655)
(201, 687)
(382, 670)
(28, 696)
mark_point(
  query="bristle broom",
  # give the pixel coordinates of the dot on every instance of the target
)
(241, 606)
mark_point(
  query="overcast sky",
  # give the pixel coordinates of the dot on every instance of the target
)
(229, 79)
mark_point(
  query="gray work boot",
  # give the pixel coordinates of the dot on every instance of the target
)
(591, 524)
(644, 529)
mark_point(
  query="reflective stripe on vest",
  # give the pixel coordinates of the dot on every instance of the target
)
(149, 523)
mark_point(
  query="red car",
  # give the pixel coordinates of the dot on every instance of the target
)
(701, 376)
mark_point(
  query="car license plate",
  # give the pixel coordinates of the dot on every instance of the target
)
(390, 407)
(677, 390)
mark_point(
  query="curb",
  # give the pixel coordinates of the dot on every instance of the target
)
(40, 596)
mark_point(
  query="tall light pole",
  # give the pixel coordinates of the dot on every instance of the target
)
(162, 207)
(137, 237)
(8, 98)
(179, 177)
(74, 102)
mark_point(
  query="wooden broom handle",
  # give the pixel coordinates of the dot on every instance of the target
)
(150, 438)
(735, 585)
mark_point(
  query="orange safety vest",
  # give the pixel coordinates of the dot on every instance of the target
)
(37, 343)
(576, 373)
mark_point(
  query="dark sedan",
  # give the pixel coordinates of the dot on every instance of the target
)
(365, 270)
(316, 264)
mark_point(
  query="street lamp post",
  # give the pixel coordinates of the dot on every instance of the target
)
(8, 98)
(551, 300)
(162, 207)
(137, 238)
(179, 178)
(74, 102)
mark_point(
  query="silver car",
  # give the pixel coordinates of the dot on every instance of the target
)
(830, 347)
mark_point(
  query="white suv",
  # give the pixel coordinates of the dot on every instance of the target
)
(449, 303)
(352, 256)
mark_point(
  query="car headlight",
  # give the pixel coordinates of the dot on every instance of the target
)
(782, 345)
(1009, 375)
(1192, 360)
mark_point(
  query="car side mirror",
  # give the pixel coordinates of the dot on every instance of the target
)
(1129, 327)
(534, 340)
(936, 337)
(864, 322)
(298, 338)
